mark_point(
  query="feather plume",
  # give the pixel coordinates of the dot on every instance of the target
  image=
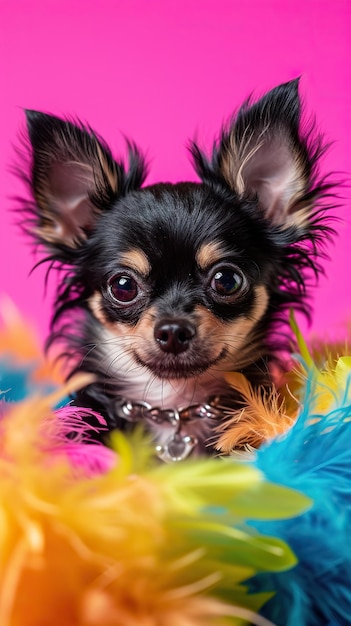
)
(23, 366)
(263, 415)
(134, 543)
(314, 456)
(91, 536)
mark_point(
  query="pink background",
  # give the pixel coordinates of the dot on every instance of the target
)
(158, 72)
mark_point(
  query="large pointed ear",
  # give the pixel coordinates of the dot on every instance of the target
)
(73, 178)
(263, 154)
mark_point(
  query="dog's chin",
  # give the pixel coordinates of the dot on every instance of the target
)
(178, 367)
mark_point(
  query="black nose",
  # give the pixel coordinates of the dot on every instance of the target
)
(174, 337)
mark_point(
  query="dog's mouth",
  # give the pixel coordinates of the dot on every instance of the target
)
(171, 366)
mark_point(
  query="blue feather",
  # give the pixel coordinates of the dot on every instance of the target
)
(16, 382)
(315, 458)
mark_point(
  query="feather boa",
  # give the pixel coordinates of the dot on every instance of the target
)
(314, 457)
(91, 536)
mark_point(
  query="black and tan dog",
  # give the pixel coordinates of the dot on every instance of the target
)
(167, 288)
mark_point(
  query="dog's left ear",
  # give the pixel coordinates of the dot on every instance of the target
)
(73, 179)
(262, 154)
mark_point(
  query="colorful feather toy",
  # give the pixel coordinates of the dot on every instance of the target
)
(91, 536)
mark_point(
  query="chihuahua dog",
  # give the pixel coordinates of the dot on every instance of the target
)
(167, 288)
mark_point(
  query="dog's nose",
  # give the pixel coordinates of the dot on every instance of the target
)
(174, 337)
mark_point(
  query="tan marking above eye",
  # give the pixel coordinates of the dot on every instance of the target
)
(209, 254)
(136, 260)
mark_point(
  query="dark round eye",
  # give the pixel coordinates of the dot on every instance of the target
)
(227, 281)
(123, 288)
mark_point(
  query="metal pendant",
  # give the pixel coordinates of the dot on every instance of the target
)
(177, 448)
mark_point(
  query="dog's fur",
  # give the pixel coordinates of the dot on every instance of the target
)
(167, 288)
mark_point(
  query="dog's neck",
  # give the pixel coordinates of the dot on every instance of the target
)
(174, 393)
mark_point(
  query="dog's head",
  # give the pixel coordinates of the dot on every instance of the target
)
(189, 277)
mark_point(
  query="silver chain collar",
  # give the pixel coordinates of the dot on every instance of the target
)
(179, 445)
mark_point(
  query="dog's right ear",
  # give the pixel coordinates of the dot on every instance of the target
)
(74, 178)
(265, 154)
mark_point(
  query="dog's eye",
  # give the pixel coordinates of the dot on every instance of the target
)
(227, 282)
(123, 288)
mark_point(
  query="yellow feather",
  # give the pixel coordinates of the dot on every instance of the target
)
(94, 551)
